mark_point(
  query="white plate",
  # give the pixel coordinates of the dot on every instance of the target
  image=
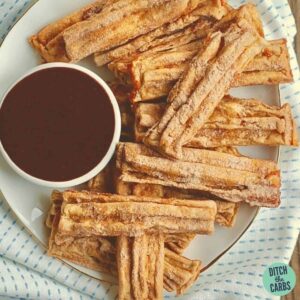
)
(31, 202)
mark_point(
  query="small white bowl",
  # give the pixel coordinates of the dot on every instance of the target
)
(101, 165)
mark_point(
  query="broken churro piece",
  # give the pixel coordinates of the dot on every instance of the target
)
(95, 214)
(140, 263)
(180, 272)
(178, 242)
(235, 121)
(230, 177)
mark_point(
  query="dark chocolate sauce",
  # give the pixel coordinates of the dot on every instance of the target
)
(57, 124)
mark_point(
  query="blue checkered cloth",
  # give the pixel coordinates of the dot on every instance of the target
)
(27, 272)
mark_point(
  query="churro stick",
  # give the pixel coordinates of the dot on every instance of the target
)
(115, 27)
(226, 211)
(234, 122)
(206, 13)
(194, 98)
(49, 41)
(230, 177)
(140, 263)
(180, 272)
(176, 242)
(96, 214)
(97, 253)
(251, 122)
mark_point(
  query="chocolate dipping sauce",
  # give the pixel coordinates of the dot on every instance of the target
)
(57, 124)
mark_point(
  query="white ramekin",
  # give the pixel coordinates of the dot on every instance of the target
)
(99, 167)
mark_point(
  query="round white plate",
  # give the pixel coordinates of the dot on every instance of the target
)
(31, 202)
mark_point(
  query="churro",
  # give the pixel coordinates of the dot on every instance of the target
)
(96, 214)
(205, 15)
(140, 263)
(230, 177)
(235, 121)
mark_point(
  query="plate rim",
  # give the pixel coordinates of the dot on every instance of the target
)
(34, 237)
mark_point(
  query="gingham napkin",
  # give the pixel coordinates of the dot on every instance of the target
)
(27, 273)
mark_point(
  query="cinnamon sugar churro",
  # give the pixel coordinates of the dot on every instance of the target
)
(230, 177)
(234, 122)
(99, 253)
(140, 268)
(180, 272)
(226, 211)
(140, 263)
(95, 214)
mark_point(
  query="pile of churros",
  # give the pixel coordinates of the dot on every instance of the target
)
(176, 171)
